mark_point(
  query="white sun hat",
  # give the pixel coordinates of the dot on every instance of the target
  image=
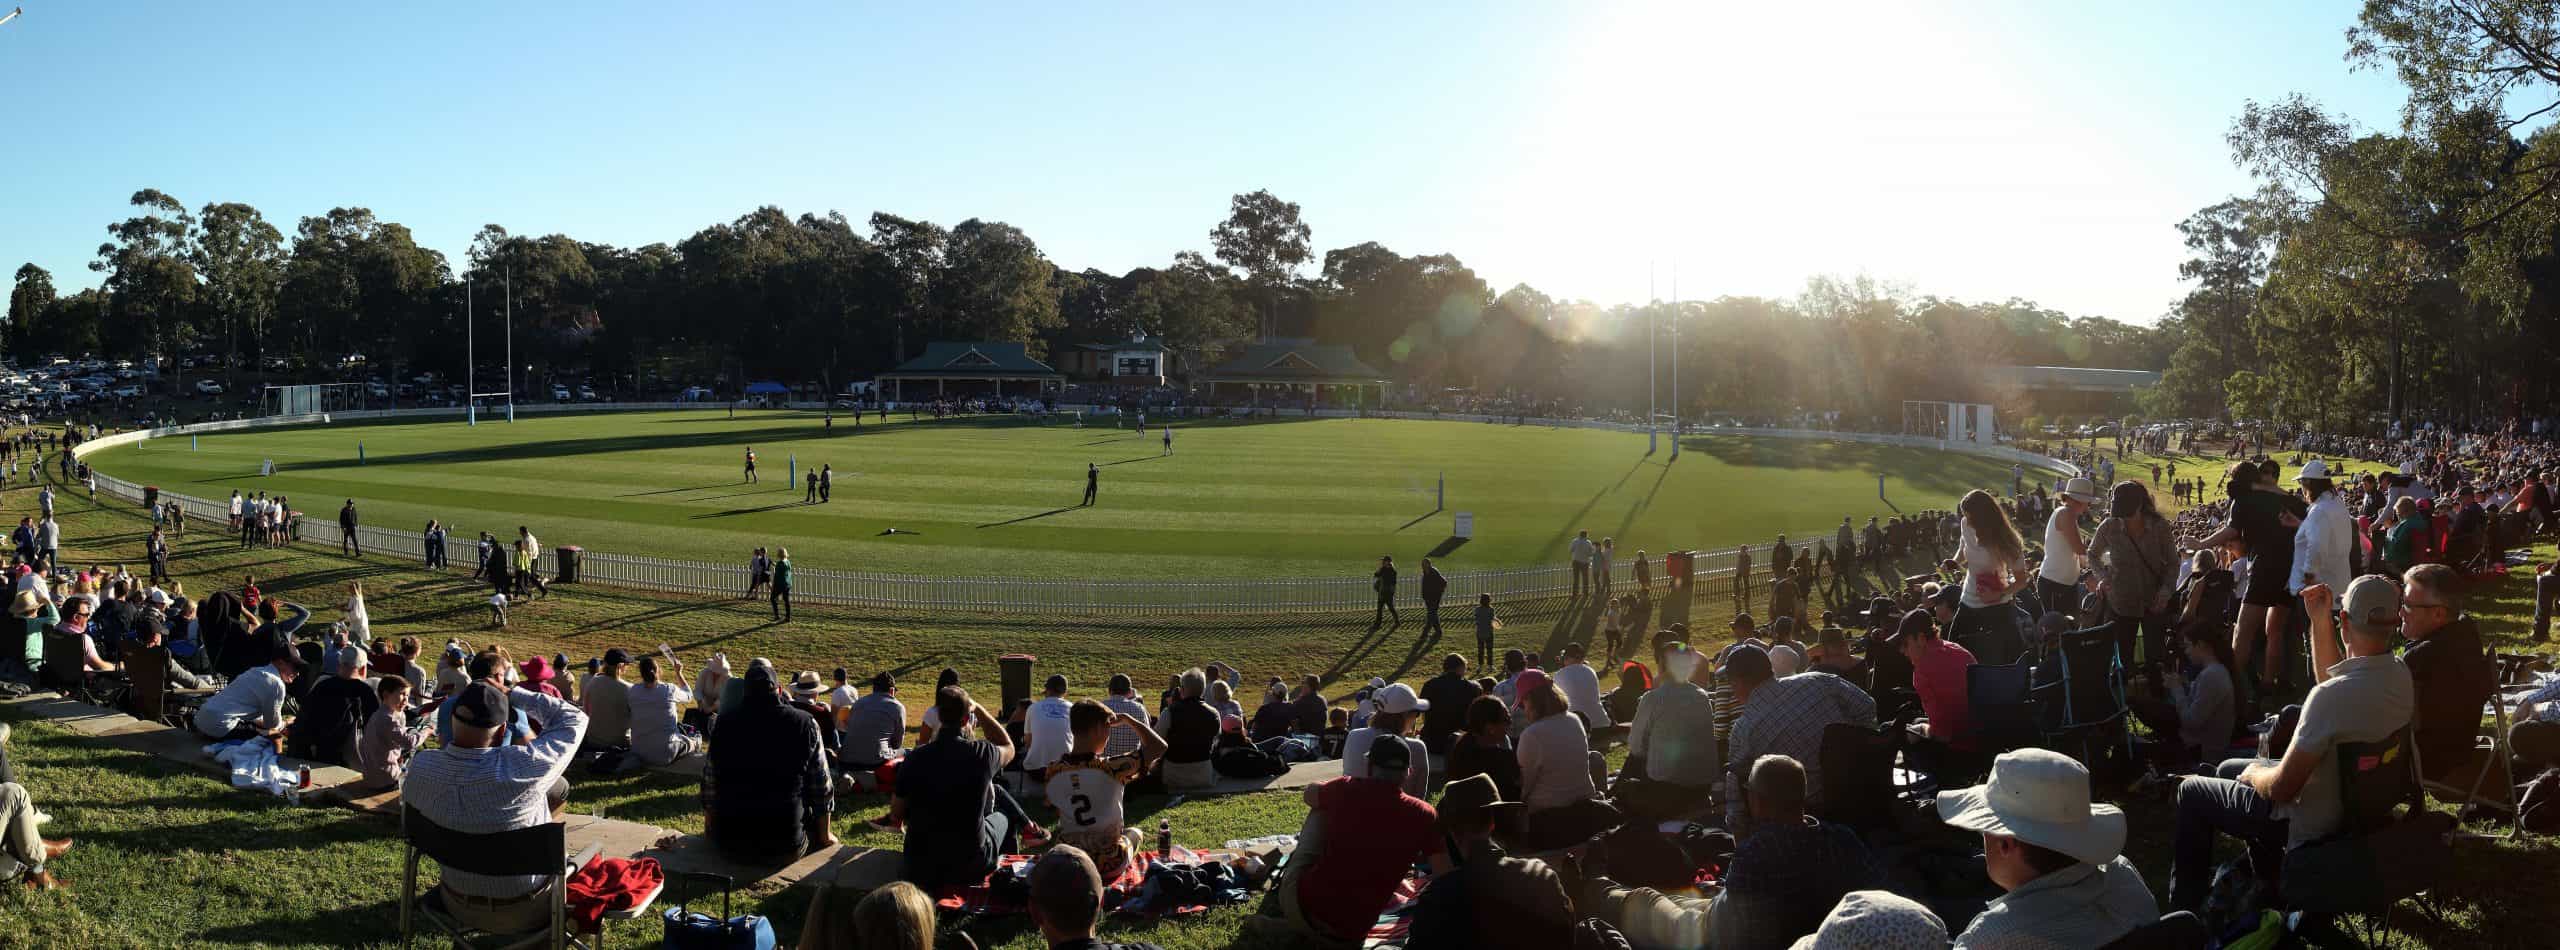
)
(2081, 489)
(2313, 469)
(2040, 797)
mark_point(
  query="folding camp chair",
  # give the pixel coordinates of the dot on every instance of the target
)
(2003, 702)
(2403, 854)
(66, 671)
(2080, 706)
(2494, 754)
(523, 851)
(2179, 930)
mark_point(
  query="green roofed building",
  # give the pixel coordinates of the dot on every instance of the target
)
(971, 369)
(1284, 371)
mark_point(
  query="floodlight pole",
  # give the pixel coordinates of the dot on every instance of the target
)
(13, 14)
(470, 360)
(511, 344)
(1675, 359)
(1649, 407)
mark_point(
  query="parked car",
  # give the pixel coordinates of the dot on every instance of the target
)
(207, 387)
(559, 393)
(694, 394)
(127, 392)
(586, 393)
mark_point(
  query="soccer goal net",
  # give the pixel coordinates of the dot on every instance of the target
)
(312, 398)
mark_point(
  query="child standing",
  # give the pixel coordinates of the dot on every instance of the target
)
(1485, 625)
(1612, 624)
(498, 609)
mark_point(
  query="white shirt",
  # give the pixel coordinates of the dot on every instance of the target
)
(653, 711)
(1555, 763)
(1581, 686)
(1582, 549)
(2061, 559)
(235, 505)
(255, 699)
(2323, 545)
(1045, 733)
(1355, 760)
(1986, 578)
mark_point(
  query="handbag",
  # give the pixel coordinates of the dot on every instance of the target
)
(687, 930)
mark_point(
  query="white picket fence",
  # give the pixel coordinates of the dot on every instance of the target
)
(1004, 595)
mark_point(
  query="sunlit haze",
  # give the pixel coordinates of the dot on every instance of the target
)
(1981, 150)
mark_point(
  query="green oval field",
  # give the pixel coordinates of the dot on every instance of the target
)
(999, 496)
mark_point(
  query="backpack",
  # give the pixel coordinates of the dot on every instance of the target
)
(1245, 761)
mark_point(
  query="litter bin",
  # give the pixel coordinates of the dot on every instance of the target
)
(568, 555)
(151, 497)
(1678, 564)
(1013, 678)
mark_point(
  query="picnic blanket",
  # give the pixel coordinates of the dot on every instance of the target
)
(993, 898)
(1395, 924)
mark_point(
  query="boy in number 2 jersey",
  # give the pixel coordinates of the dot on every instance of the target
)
(1089, 789)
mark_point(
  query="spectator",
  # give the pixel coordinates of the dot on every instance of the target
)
(389, 739)
(1485, 747)
(733, 690)
(876, 726)
(607, 700)
(946, 798)
(2273, 805)
(1490, 899)
(1565, 807)
(252, 704)
(2195, 722)
(1396, 706)
(1876, 919)
(1222, 697)
(771, 798)
(1066, 901)
(481, 784)
(2450, 672)
(1941, 743)
(1090, 789)
(2058, 577)
(897, 917)
(1783, 716)
(1581, 686)
(1789, 869)
(931, 725)
(1362, 836)
(2137, 566)
(333, 714)
(1272, 719)
(1124, 699)
(1046, 732)
(1674, 740)
(1445, 700)
(2058, 856)
(1993, 558)
(1190, 729)
(408, 650)
(1831, 654)
(658, 735)
(18, 822)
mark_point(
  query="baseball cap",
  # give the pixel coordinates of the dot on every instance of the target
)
(1530, 681)
(616, 655)
(1388, 754)
(1398, 698)
(480, 706)
(2373, 601)
(1746, 662)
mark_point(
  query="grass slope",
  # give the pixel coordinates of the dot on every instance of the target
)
(998, 497)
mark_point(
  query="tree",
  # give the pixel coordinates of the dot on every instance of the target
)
(906, 266)
(31, 296)
(994, 285)
(1192, 307)
(1263, 237)
(150, 283)
(2250, 395)
(241, 258)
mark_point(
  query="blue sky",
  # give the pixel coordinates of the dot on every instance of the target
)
(1986, 149)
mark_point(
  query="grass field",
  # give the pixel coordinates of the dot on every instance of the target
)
(998, 497)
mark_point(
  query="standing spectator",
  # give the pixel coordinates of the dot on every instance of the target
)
(2137, 570)
(348, 544)
(1485, 624)
(1434, 587)
(1363, 835)
(1601, 566)
(528, 554)
(2065, 551)
(771, 799)
(49, 540)
(1644, 585)
(434, 543)
(480, 783)
(1383, 580)
(2059, 857)
(781, 599)
(658, 735)
(1993, 558)
(1742, 579)
(1582, 551)
(759, 572)
(156, 549)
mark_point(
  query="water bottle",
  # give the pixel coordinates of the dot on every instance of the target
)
(1164, 839)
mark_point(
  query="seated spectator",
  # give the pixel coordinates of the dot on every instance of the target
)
(2195, 721)
(1490, 899)
(1066, 901)
(733, 690)
(2450, 671)
(1311, 705)
(450, 676)
(536, 676)
(1581, 686)
(807, 695)
(1396, 706)
(252, 704)
(408, 649)
(607, 700)
(1565, 807)
(1123, 698)
(2274, 805)
(1831, 654)
(898, 917)
(1446, 700)
(1674, 740)
(932, 722)
(1360, 841)
(876, 727)
(1337, 731)
(2058, 856)
(1273, 718)
(18, 821)
(1089, 789)
(946, 798)
(1941, 743)
(1222, 697)
(1190, 728)
(488, 666)
(481, 784)
(1046, 732)
(1485, 748)
(771, 795)
(1789, 869)
(150, 631)
(389, 739)
(1783, 716)
(658, 736)
(334, 713)
(1876, 919)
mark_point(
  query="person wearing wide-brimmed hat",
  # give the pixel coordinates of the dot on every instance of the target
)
(36, 612)
(1491, 899)
(2066, 550)
(2059, 857)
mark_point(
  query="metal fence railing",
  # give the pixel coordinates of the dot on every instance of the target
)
(1710, 571)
